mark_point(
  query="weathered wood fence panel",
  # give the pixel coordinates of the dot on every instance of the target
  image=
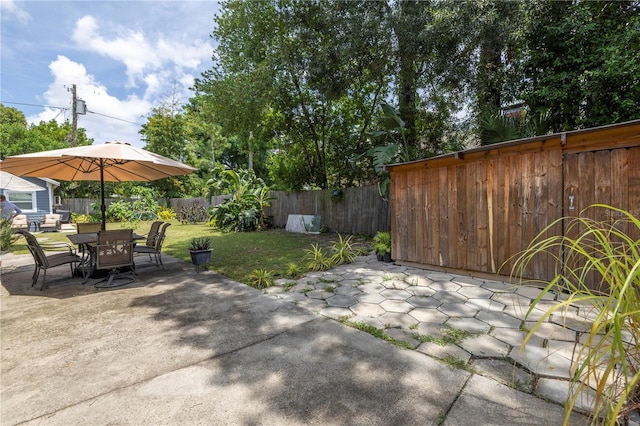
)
(475, 210)
(358, 210)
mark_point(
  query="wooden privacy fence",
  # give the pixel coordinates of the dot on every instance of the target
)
(474, 210)
(358, 210)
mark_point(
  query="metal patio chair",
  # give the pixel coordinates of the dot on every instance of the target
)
(88, 227)
(114, 251)
(43, 262)
(156, 248)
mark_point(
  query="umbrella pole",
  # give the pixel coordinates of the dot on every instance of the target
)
(103, 208)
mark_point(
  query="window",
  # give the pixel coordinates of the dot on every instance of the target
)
(24, 200)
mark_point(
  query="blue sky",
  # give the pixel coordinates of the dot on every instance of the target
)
(125, 57)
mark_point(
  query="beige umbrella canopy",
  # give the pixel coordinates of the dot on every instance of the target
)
(14, 183)
(110, 162)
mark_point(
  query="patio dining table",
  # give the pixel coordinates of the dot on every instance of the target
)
(87, 242)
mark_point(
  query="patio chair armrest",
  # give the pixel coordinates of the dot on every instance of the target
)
(57, 246)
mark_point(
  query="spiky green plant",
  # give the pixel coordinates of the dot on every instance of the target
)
(601, 255)
(260, 278)
(343, 250)
(7, 236)
(293, 270)
(317, 259)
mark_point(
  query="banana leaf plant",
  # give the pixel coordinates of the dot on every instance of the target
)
(393, 135)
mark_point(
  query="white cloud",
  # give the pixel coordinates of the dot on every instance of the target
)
(109, 118)
(10, 10)
(124, 66)
(136, 52)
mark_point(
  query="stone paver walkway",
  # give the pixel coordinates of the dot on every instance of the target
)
(484, 321)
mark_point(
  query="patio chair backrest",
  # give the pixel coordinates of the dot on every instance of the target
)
(153, 233)
(161, 235)
(89, 227)
(34, 247)
(114, 249)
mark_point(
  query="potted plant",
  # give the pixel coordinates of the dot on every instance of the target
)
(200, 251)
(382, 246)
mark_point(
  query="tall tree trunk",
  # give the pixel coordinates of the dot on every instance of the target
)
(407, 26)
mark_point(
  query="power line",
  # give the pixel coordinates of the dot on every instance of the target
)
(115, 118)
(35, 105)
(65, 109)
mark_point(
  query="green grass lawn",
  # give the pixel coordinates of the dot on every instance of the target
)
(234, 255)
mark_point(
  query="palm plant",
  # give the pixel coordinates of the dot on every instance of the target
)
(603, 253)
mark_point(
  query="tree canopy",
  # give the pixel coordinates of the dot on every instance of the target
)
(300, 89)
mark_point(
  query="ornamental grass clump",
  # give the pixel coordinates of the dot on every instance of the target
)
(598, 265)
(317, 259)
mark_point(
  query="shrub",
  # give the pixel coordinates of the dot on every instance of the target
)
(382, 243)
(119, 211)
(7, 236)
(166, 213)
(80, 218)
(600, 252)
(236, 215)
(316, 259)
(195, 212)
(294, 271)
(200, 243)
(343, 251)
(261, 278)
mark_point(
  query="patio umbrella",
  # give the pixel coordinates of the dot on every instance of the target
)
(14, 183)
(110, 162)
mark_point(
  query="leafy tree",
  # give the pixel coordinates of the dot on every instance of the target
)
(9, 115)
(282, 85)
(583, 64)
(166, 133)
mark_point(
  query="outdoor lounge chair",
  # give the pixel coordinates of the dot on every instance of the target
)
(44, 262)
(20, 221)
(155, 248)
(50, 223)
(114, 251)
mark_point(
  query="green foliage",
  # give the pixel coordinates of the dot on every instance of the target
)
(7, 236)
(117, 211)
(260, 278)
(494, 128)
(392, 134)
(294, 271)
(583, 63)
(450, 336)
(235, 216)
(317, 259)
(598, 264)
(244, 211)
(200, 243)
(166, 213)
(80, 218)
(382, 243)
(376, 332)
(343, 250)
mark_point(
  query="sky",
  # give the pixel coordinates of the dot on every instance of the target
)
(125, 58)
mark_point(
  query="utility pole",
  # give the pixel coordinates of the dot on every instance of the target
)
(74, 120)
(79, 107)
(73, 137)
